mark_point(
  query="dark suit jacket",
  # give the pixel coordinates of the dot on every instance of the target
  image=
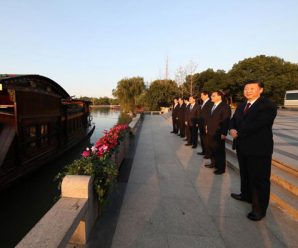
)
(204, 114)
(186, 113)
(181, 112)
(218, 122)
(254, 127)
(192, 114)
(175, 111)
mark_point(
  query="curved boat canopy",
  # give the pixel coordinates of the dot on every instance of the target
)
(41, 83)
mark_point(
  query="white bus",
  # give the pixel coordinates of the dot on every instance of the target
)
(291, 99)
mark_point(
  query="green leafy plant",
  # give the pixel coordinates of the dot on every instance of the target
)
(97, 161)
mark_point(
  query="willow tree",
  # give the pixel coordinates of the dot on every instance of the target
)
(127, 91)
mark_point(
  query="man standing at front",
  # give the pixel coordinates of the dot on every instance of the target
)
(251, 129)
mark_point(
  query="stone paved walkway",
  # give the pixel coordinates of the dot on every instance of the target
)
(172, 200)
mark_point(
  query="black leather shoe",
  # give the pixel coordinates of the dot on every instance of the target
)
(188, 144)
(200, 153)
(255, 216)
(183, 136)
(209, 165)
(239, 197)
(218, 172)
(172, 132)
(194, 146)
(206, 157)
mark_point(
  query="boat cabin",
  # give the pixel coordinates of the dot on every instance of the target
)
(38, 121)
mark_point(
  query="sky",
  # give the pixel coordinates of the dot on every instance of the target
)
(88, 46)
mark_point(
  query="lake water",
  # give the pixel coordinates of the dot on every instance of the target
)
(26, 201)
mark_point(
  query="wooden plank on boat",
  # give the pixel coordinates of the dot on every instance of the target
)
(6, 137)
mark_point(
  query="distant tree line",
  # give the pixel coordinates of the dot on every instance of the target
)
(101, 100)
(277, 75)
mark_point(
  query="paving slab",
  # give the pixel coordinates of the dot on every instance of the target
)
(172, 200)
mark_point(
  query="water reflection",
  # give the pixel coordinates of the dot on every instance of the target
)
(104, 119)
(23, 204)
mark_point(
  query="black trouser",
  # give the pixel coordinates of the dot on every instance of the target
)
(175, 124)
(188, 134)
(203, 141)
(255, 174)
(217, 148)
(182, 127)
(194, 135)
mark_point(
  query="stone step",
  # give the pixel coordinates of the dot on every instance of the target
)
(285, 200)
(284, 179)
(284, 186)
(280, 173)
(275, 162)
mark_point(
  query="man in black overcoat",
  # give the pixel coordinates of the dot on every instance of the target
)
(204, 114)
(181, 117)
(251, 128)
(217, 125)
(192, 122)
(186, 118)
(175, 115)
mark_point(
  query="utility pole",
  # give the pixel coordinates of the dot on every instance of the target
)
(167, 69)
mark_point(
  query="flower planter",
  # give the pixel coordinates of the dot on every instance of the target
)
(96, 161)
(122, 149)
(120, 154)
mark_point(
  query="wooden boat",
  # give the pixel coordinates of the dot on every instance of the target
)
(38, 122)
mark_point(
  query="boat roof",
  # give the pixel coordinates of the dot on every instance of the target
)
(14, 80)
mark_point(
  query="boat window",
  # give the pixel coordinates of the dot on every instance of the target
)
(43, 129)
(32, 135)
(32, 132)
(44, 134)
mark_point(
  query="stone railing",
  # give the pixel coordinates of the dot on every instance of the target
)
(70, 220)
(134, 124)
(153, 112)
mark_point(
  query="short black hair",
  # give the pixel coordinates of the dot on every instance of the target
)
(220, 93)
(185, 98)
(205, 92)
(260, 84)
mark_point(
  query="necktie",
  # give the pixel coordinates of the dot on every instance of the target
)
(214, 106)
(191, 107)
(246, 107)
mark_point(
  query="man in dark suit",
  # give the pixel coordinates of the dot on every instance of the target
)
(251, 129)
(192, 121)
(204, 114)
(181, 117)
(217, 125)
(175, 115)
(186, 117)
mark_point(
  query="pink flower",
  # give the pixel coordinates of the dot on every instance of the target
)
(86, 153)
(93, 149)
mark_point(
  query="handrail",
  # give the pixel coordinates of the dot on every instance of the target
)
(133, 125)
(70, 220)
